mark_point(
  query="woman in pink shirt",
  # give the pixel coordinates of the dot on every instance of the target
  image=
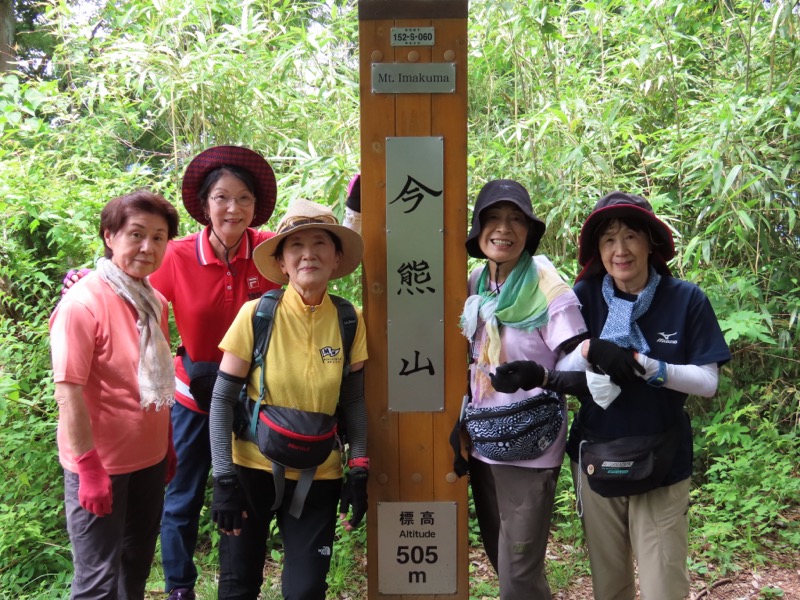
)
(518, 309)
(114, 383)
(206, 276)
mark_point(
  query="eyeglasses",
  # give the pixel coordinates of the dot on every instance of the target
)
(243, 201)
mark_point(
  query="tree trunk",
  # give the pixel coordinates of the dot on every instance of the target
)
(7, 53)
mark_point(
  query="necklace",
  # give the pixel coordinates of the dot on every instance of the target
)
(228, 250)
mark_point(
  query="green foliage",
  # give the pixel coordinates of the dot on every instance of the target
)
(749, 485)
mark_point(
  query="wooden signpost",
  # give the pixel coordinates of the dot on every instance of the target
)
(413, 72)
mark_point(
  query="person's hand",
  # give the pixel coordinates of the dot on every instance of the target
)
(228, 507)
(525, 374)
(172, 457)
(354, 494)
(94, 484)
(72, 277)
(614, 361)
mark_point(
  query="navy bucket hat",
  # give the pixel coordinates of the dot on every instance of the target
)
(504, 190)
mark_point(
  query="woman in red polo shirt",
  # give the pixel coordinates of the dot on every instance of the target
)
(207, 277)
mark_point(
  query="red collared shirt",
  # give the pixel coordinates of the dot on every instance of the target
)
(206, 295)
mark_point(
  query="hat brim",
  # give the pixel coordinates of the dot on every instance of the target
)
(536, 227)
(588, 252)
(352, 252)
(234, 156)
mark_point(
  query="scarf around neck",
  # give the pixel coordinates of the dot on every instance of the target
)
(520, 303)
(156, 372)
(620, 326)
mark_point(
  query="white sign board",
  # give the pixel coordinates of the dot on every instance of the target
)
(413, 78)
(413, 36)
(417, 548)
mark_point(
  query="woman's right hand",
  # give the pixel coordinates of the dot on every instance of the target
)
(72, 277)
(228, 507)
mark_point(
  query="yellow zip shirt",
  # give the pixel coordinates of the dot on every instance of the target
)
(303, 365)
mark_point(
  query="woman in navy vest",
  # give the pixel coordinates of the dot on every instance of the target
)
(655, 340)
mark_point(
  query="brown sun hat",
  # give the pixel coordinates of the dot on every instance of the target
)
(230, 156)
(619, 205)
(305, 214)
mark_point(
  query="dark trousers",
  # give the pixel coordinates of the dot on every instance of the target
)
(514, 506)
(307, 541)
(112, 555)
(185, 497)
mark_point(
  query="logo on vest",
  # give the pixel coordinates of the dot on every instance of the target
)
(329, 354)
(666, 338)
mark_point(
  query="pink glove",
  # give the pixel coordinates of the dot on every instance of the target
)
(172, 457)
(94, 484)
(72, 277)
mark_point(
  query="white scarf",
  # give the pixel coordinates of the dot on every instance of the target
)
(156, 369)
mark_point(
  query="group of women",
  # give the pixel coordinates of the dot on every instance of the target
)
(631, 342)
(132, 418)
(628, 340)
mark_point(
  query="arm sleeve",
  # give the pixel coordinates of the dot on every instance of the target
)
(220, 424)
(565, 381)
(700, 380)
(354, 411)
(573, 361)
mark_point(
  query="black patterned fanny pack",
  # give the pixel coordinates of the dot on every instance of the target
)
(523, 430)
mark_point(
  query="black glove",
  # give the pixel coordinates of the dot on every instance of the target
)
(228, 503)
(353, 201)
(354, 493)
(616, 362)
(525, 374)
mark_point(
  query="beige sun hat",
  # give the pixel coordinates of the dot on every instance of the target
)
(305, 214)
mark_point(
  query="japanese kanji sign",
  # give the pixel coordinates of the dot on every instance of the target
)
(415, 280)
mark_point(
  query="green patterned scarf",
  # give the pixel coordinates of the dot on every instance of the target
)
(520, 304)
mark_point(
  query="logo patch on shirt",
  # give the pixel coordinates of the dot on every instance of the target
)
(666, 338)
(329, 354)
(252, 283)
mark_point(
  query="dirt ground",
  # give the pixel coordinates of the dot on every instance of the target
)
(768, 582)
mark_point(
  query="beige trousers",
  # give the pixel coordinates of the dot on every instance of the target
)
(652, 527)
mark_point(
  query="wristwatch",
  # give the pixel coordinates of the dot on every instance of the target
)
(660, 378)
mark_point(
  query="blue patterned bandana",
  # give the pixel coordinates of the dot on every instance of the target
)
(621, 327)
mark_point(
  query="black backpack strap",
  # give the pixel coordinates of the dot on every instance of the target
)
(348, 323)
(279, 479)
(263, 319)
(301, 491)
